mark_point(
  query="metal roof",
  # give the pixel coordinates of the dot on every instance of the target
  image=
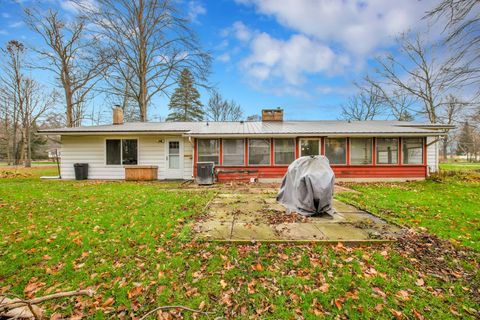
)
(266, 128)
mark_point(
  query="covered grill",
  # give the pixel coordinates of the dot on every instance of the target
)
(307, 187)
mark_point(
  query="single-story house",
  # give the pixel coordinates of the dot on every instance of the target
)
(362, 150)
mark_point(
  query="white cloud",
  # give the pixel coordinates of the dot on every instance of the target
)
(358, 26)
(16, 24)
(195, 9)
(241, 31)
(3, 32)
(73, 7)
(225, 57)
(290, 60)
(5, 15)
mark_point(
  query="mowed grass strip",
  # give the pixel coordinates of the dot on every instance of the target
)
(446, 205)
(132, 243)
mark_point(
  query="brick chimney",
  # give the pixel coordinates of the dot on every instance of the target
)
(272, 114)
(117, 115)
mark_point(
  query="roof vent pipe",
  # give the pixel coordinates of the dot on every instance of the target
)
(117, 115)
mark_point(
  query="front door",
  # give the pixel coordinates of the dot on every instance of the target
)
(309, 147)
(174, 159)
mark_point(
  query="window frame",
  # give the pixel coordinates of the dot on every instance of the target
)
(198, 150)
(423, 163)
(398, 152)
(347, 151)
(350, 152)
(121, 151)
(269, 153)
(274, 152)
(223, 153)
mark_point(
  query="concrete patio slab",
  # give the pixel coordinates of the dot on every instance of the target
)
(252, 214)
(299, 231)
(342, 232)
(254, 232)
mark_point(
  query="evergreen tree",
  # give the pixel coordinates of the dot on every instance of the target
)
(185, 103)
(465, 140)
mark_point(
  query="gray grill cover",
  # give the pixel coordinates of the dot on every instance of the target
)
(307, 187)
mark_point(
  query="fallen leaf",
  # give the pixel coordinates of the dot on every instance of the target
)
(397, 314)
(324, 287)
(135, 291)
(223, 283)
(108, 302)
(257, 267)
(420, 282)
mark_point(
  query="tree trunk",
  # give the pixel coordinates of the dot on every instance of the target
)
(26, 147)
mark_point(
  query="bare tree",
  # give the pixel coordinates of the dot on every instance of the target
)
(74, 57)
(419, 73)
(24, 103)
(219, 109)
(12, 79)
(150, 38)
(462, 31)
(36, 104)
(450, 115)
(367, 104)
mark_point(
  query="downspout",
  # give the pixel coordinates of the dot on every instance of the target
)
(193, 155)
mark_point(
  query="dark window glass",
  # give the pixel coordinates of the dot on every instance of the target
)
(129, 151)
(284, 151)
(208, 150)
(233, 152)
(412, 150)
(361, 151)
(113, 152)
(310, 147)
(387, 150)
(336, 150)
(258, 151)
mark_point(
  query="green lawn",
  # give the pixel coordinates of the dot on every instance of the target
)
(448, 206)
(132, 243)
(460, 166)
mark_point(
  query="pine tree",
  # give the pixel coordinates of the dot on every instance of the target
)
(185, 103)
(465, 140)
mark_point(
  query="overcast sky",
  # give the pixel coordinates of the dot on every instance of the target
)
(302, 55)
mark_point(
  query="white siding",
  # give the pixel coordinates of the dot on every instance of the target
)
(91, 150)
(432, 154)
(188, 159)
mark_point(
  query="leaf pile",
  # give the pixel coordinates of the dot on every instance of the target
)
(10, 174)
(442, 259)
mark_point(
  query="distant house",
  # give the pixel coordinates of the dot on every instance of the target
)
(365, 150)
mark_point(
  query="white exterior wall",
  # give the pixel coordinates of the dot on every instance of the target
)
(432, 154)
(92, 150)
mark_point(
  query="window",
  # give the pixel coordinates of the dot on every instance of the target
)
(309, 147)
(122, 151)
(173, 154)
(361, 151)
(412, 149)
(258, 151)
(233, 152)
(284, 151)
(336, 150)
(208, 150)
(387, 150)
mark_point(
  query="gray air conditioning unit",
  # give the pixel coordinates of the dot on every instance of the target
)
(205, 173)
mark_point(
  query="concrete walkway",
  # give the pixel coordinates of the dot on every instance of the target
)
(246, 215)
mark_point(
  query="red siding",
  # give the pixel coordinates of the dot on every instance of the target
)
(244, 173)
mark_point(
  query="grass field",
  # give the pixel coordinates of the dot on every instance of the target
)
(131, 242)
(447, 205)
(460, 166)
